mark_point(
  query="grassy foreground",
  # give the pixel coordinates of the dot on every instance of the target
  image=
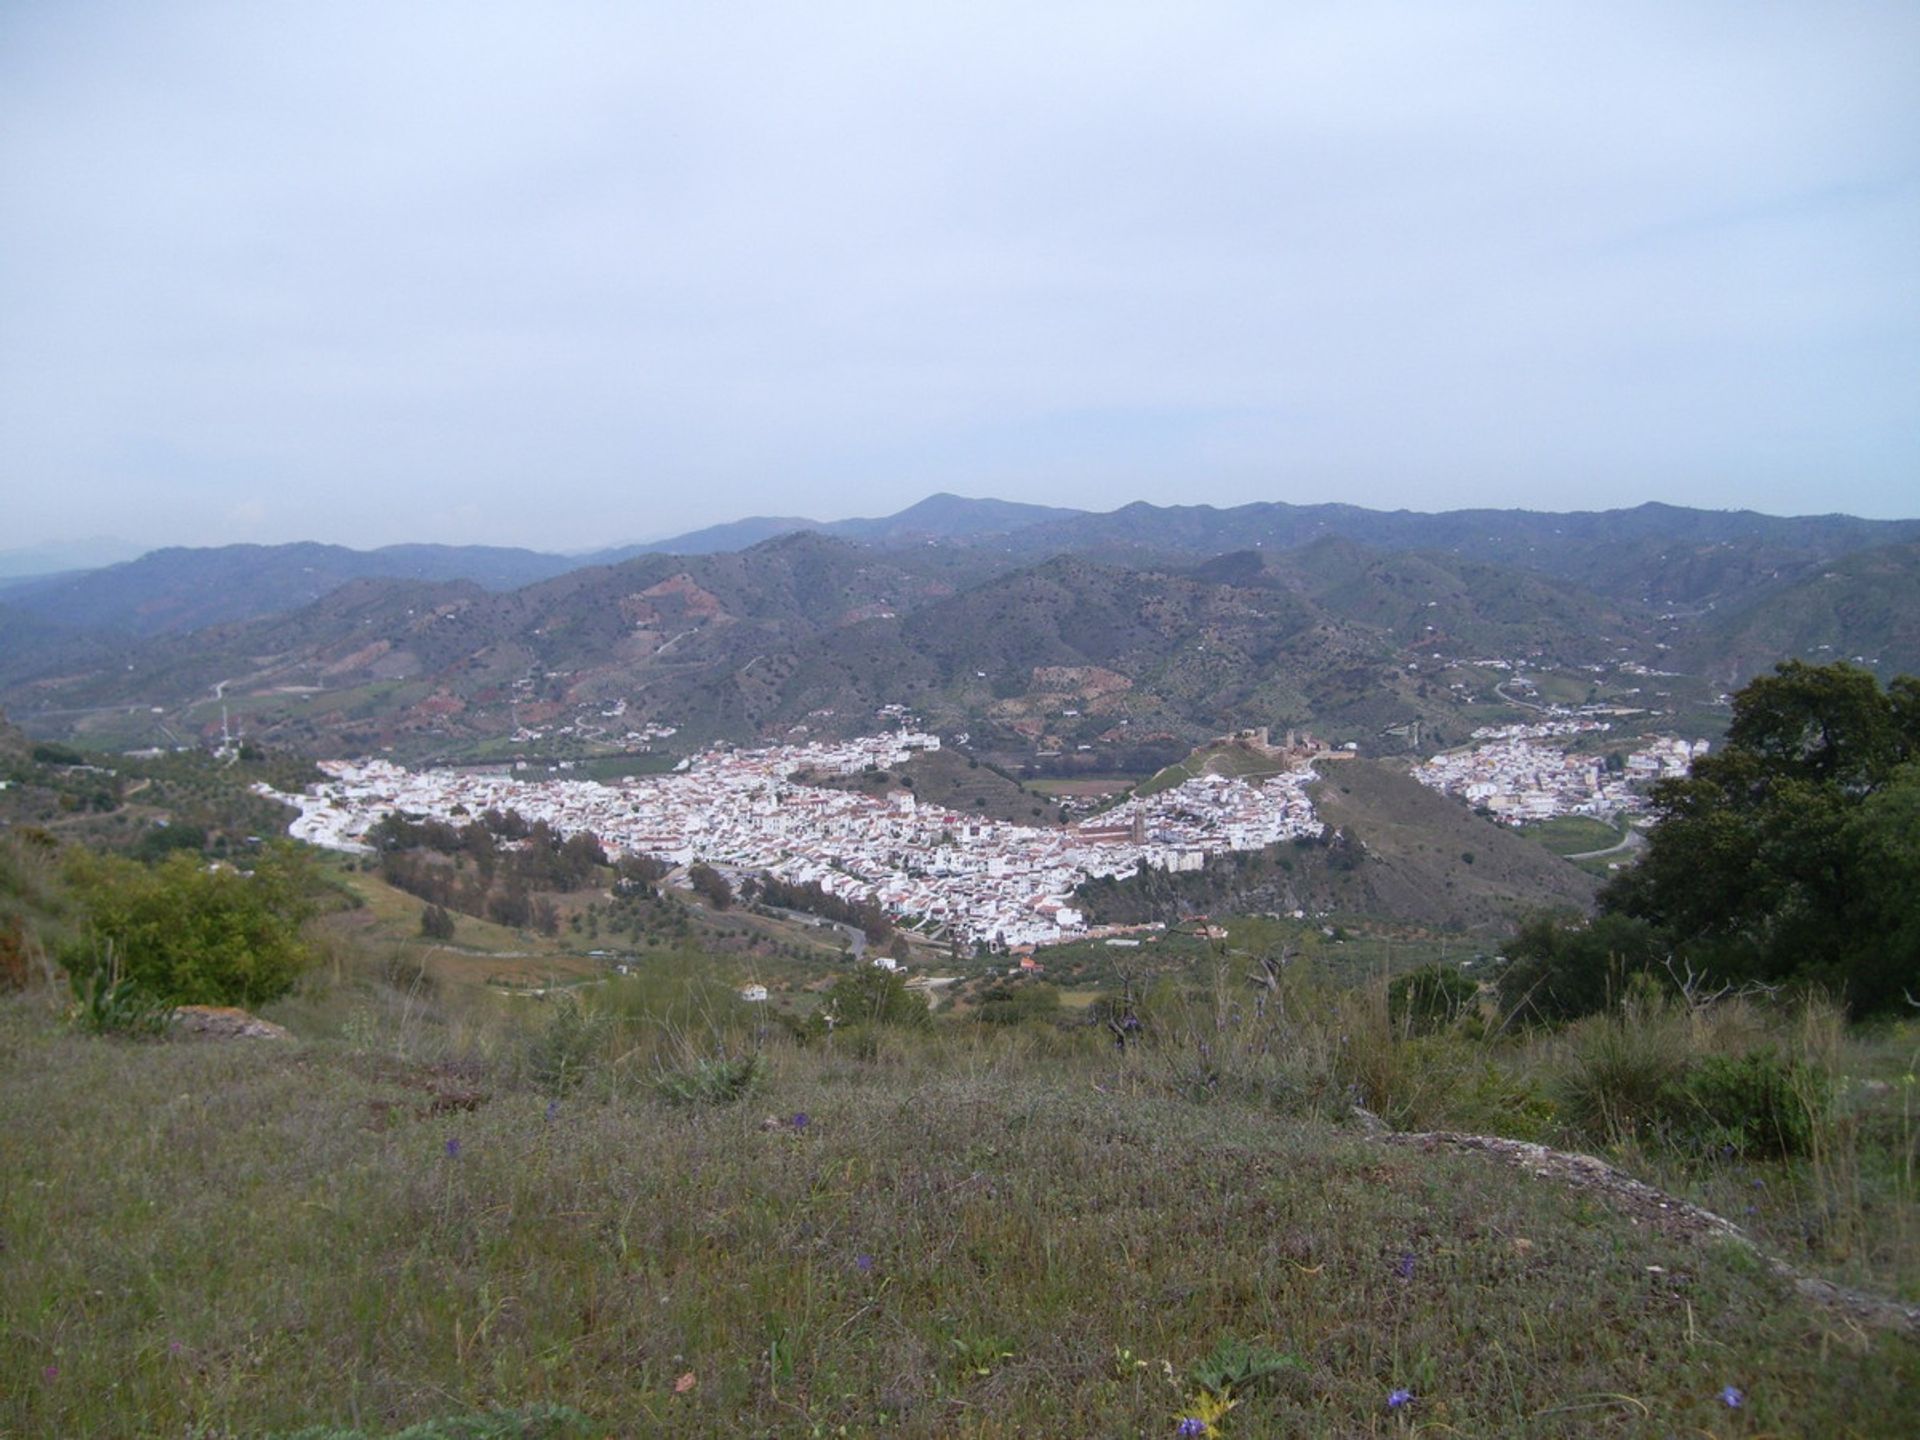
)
(975, 1234)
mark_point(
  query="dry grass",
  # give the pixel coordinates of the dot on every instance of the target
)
(988, 1233)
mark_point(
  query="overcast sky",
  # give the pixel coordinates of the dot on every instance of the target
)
(565, 274)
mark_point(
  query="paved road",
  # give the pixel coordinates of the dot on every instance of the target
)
(855, 935)
(1632, 840)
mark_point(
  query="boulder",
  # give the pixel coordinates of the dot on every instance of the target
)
(226, 1022)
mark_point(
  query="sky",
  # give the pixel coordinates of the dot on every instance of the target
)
(572, 274)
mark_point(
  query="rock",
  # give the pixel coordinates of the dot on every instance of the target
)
(226, 1022)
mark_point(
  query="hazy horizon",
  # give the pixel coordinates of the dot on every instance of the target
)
(9, 554)
(579, 276)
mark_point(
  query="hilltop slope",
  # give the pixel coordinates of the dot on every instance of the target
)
(1417, 845)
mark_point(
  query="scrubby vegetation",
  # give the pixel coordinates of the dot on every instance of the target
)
(183, 932)
(438, 1207)
(1791, 857)
(1225, 1195)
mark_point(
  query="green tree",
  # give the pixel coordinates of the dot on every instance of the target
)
(872, 996)
(710, 885)
(1790, 856)
(436, 923)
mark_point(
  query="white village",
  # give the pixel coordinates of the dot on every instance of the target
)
(740, 810)
(1518, 774)
(953, 875)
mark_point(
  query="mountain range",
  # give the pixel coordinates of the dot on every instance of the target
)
(1063, 638)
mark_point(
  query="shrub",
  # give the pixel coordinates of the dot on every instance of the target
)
(1621, 1078)
(1760, 1103)
(1692, 1080)
(1561, 968)
(14, 973)
(710, 885)
(107, 1001)
(190, 934)
(560, 1056)
(436, 923)
(713, 1080)
(1430, 998)
(872, 996)
(1016, 1004)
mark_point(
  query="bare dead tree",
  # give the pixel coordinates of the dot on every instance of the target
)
(1692, 986)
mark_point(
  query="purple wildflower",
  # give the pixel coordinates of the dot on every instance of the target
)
(453, 1149)
(1404, 1267)
(801, 1121)
(1397, 1398)
(863, 1263)
(1732, 1397)
(50, 1374)
(1191, 1425)
(553, 1109)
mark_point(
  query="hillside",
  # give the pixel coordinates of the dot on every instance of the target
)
(188, 589)
(1429, 856)
(1863, 607)
(1115, 661)
(1065, 659)
(701, 642)
(983, 1229)
(1658, 554)
(1396, 849)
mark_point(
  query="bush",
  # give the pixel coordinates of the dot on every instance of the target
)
(562, 1055)
(188, 934)
(1562, 968)
(1017, 1004)
(1430, 998)
(710, 885)
(1693, 1081)
(1760, 1103)
(1621, 1079)
(872, 996)
(106, 1001)
(712, 1080)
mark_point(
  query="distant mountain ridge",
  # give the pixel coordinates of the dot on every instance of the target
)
(179, 589)
(940, 516)
(1054, 633)
(1661, 555)
(811, 630)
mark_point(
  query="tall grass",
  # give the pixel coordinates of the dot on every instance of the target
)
(988, 1230)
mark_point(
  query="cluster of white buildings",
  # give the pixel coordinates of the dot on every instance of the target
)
(1520, 775)
(958, 874)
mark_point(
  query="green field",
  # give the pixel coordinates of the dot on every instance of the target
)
(1574, 834)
